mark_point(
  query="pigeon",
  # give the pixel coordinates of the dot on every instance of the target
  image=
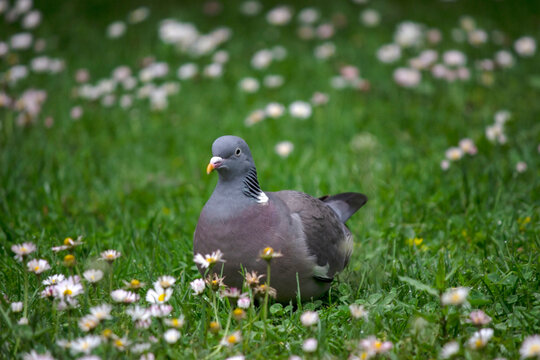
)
(240, 220)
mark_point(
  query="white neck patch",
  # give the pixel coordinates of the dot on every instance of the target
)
(262, 198)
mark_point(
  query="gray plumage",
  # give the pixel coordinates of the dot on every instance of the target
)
(240, 220)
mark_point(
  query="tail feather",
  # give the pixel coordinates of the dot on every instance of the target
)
(345, 204)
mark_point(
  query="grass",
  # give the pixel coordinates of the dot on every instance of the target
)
(133, 180)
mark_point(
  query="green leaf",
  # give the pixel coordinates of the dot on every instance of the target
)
(418, 285)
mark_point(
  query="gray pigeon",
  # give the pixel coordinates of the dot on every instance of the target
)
(241, 220)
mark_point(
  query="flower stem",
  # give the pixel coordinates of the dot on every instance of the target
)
(25, 312)
(265, 307)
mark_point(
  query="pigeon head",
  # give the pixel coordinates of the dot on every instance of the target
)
(231, 157)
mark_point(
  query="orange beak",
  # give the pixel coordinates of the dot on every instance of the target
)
(210, 168)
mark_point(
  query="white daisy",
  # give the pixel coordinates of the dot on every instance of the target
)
(38, 266)
(209, 260)
(165, 281)
(455, 296)
(171, 336)
(101, 312)
(110, 255)
(158, 295)
(23, 249)
(198, 286)
(309, 318)
(93, 275)
(480, 338)
(530, 347)
(85, 344)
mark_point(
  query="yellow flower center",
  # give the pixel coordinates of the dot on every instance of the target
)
(69, 258)
(175, 322)
(478, 343)
(238, 312)
(214, 325)
(534, 349)
(118, 343)
(210, 260)
(161, 297)
(378, 345)
(107, 333)
(68, 241)
(364, 356)
(23, 249)
(455, 297)
(36, 268)
(268, 251)
(110, 256)
(92, 277)
(68, 292)
(232, 339)
(85, 345)
(135, 283)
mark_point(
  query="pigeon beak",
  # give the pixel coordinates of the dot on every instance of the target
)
(215, 162)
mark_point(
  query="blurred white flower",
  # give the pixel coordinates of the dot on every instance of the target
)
(138, 15)
(244, 302)
(116, 29)
(68, 289)
(85, 344)
(187, 71)
(213, 70)
(255, 117)
(530, 347)
(4, 48)
(273, 81)
(358, 311)
(251, 8)
(279, 16)
(274, 110)
(467, 23)
(23, 249)
(126, 101)
(434, 36)
(284, 148)
(521, 167)
(93, 275)
(31, 20)
(220, 57)
(480, 338)
(232, 339)
(23, 321)
(325, 31)
(525, 46)
(319, 98)
(88, 322)
(23, 6)
(449, 349)
(454, 153)
(455, 296)
(389, 53)
(370, 18)
(138, 313)
(33, 355)
(407, 77)
(300, 109)
(21, 41)
(16, 306)
(309, 15)
(504, 59)
(468, 146)
(408, 34)
(478, 317)
(477, 37)
(425, 60)
(198, 286)
(76, 112)
(310, 345)
(373, 346)
(53, 279)
(124, 296)
(249, 85)
(502, 116)
(309, 318)
(325, 50)
(171, 336)
(454, 58)
(165, 281)
(262, 59)
(101, 312)
(110, 255)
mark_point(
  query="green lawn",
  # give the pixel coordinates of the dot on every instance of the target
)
(133, 179)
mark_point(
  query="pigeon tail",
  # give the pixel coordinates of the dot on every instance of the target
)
(345, 204)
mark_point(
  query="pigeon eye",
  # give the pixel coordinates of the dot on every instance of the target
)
(237, 152)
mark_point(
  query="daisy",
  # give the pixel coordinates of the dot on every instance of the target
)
(273, 81)
(158, 295)
(208, 261)
(121, 343)
(478, 317)
(279, 16)
(138, 15)
(85, 344)
(69, 243)
(123, 296)
(358, 311)
(160, 310)
(141, 347)
(138, 313)
(310, 345)
(232, 293)
(33, 355)
(187, 71)
(54, 279)
(175, 322)
(455, 296)
(480, 338)
(530, 347)
(116, 29)
(408, 34)
(370, 18)
(284, 148)
(110, 255)
(309, 318)
(198, 286)
(232, 339)
(239, 314)
(521, 167)
(325, 50)
(68, 288)
(407, 77)
(389, 53)
(101, 312)
(88, 322)
(214, 281)
(249, 85)
(23, 249)
(274, 110)
(48, 292)
(454, 153)
(38, 266)
(134, 284)
(171, 336)
(262, 289)
(268, 254)
(165, 281)
(374, 346)
(253, 279)
(93, 275)
(255, 117)
(244, 302)
(525, 46)
(449, 349)
(16, 306)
